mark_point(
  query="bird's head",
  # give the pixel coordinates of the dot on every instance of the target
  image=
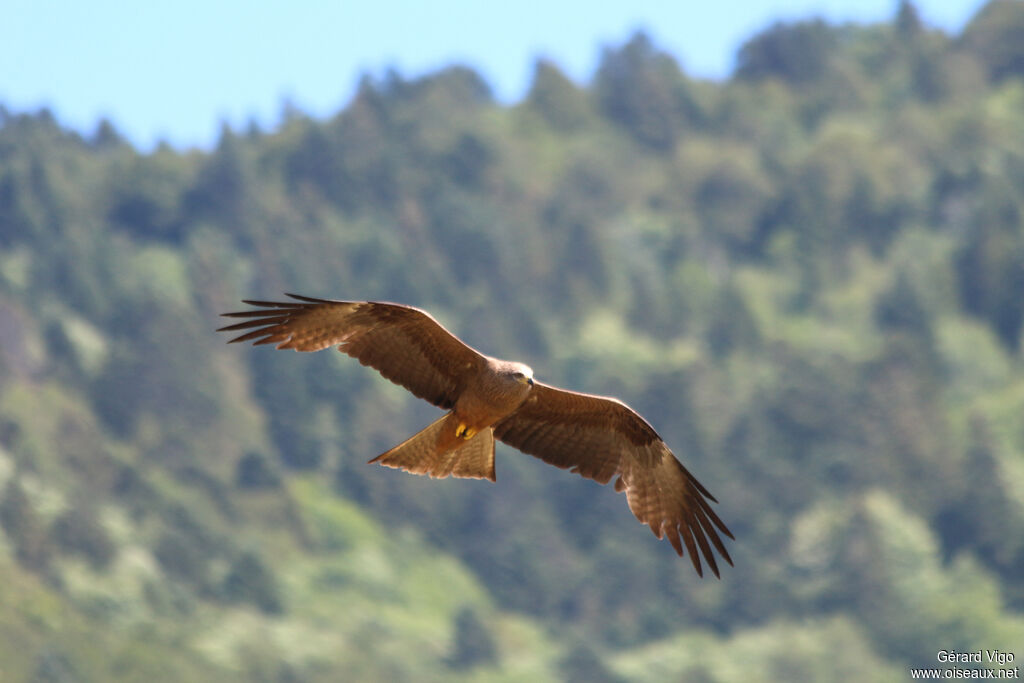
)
(521, 372)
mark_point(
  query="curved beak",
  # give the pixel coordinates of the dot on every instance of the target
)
(529, 380)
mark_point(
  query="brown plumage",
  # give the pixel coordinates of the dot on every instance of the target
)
(595, 436)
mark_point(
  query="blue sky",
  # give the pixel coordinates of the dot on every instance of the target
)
(175, 71)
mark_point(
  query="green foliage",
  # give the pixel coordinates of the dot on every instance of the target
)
(807, 278)
(990, 264)
(22, 524)
(250, 580)
(146, 195)
(254, 471)
(994, 35)
(561, 104)
(798, 53)
(473, 642)
(583, 664)
(76, 531)
(643, 90)
(181, 557)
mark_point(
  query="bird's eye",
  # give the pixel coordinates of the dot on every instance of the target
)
(519, 375)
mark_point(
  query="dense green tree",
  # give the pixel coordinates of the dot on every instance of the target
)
(990, 524)
(54, 666)
(255, 471)
(908, 20)
(21, 523)
(900, 309)
(561, 103)
(990, 263)
(250, 580)
(221, 187)
(643, 90)
(473, 644)
(583, 664)
(994, 35)
(181, 558)
(77, 531)
(799, 53)
(146, 198)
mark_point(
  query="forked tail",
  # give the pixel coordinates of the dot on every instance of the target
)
(427, 452)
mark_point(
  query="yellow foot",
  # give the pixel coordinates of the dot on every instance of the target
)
(464, 432)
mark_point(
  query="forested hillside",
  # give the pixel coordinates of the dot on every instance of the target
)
(808, 278)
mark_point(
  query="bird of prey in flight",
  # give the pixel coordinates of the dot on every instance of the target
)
(597, 437)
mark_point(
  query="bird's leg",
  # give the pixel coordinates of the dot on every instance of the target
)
(464, 431)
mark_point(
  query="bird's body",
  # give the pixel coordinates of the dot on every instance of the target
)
(461, 443)
(493, 394)
(486, 398)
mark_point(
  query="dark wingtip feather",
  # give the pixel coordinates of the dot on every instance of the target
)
(252, 313)
(272, 339)
(246, 324)
(720, 547)
(699, 486)
(267, 317)
(270, 304)
(691, 548)
(673, 537)
(255, 334)
(717, 521)
(705, 548)
(308, 299)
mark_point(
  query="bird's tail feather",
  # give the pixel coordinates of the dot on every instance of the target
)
(428, 452)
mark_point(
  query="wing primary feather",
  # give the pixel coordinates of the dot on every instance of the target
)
(710, 532)
(262, 322)
(698, 485)
(308, 299)
(691, 548)
(705, 549)
(255, 334)
(672, 533)
(706, 508)
(655, 528)
(271, 304)
(715, 518)
(257, 313)
(273, 339)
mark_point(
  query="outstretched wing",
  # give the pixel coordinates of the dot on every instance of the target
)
(599, 438)
(404, 344)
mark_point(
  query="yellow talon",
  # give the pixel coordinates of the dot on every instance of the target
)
(464, 432)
